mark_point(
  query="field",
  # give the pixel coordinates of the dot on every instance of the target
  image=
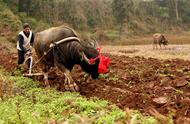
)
(155, 82)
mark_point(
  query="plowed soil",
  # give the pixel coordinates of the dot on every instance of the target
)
(133, 82)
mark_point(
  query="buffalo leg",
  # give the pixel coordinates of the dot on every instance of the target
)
(69, 83)
(46, 79)
(45, 73)
(165, 47)
(160, 45)
(155, 44)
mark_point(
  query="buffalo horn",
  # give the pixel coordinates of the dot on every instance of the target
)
(84, 57)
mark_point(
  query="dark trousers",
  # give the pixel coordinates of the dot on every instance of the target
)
(20, 57)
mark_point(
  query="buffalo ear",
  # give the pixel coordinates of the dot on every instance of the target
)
(95, 43)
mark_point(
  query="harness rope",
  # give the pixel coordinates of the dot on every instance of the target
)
(45, 53)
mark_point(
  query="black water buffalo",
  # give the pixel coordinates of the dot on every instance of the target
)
(60, 47)
(159, 39)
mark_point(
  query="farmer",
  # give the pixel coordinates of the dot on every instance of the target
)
(25, 41)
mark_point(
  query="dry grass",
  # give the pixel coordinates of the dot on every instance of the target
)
(8, 46)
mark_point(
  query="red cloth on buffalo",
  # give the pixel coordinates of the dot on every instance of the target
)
(103, 64)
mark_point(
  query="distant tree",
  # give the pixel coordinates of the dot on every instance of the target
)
(24, 6)
(13, 4)
(121, 10)
(176, 9)
(98, 13)
(184, 9)
(91, 14)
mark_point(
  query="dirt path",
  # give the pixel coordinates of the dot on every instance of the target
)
(134, 82)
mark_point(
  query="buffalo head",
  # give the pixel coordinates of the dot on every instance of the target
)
(90, 53)
(164, 41)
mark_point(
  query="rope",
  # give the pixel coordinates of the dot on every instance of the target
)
(45, 53)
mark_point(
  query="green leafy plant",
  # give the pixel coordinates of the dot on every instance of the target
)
(32, 104)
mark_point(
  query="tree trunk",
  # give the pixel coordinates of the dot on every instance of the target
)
(24, 6)
(20, 5)
(120, 29)
(176, 9)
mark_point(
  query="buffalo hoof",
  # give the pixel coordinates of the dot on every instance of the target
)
(72, 87)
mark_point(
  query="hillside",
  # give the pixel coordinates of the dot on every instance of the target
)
(104, 20)
(9, 22)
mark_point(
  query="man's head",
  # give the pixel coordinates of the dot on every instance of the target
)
(26, 28)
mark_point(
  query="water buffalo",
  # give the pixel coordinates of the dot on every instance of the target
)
(159, 39)
(60, 47)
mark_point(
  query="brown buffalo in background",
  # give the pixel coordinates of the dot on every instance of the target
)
(159, 39)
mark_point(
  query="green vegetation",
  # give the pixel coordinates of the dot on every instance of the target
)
(126, 16)
(137, 118)
(135, 15)
(11, 22)
(31, 104)
(7, 17)
(26, 102)
(112, 34)
(124, 22)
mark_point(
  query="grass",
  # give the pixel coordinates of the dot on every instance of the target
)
(28, 103)
(7, 17)
(109, 77)
(137, 118)
(32, 104)
(112, 34)
(11, 23)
